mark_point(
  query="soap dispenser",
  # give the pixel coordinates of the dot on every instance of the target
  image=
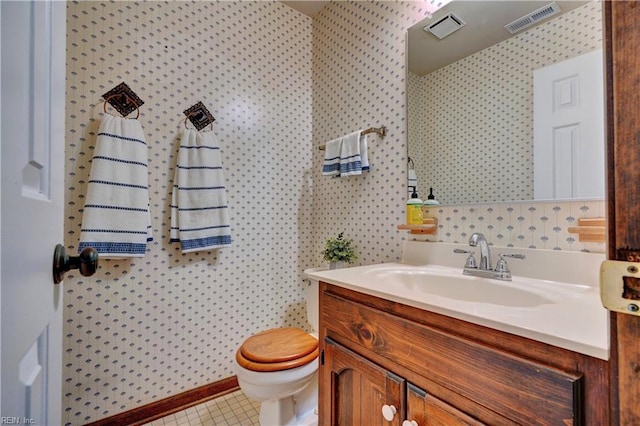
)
(431, 199)
(414, 209)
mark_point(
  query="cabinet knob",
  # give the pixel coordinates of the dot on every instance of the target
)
(409, 423)
(388, 412)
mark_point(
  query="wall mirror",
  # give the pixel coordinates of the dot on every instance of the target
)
(479, 129)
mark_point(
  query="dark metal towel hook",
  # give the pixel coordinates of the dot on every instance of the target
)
(123, 99)
(199, 116)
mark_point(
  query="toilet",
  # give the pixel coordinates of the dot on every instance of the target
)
(279, 368)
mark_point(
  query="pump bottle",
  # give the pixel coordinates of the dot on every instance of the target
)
(414, 209)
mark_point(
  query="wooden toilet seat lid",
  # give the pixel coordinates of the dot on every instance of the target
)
(278, 345)
(277, 350)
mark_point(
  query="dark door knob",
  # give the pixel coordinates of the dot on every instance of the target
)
(87, 262)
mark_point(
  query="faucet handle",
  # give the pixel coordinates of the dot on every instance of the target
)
(462, 251)
(471, 260)
(502, 266)
(513, 255)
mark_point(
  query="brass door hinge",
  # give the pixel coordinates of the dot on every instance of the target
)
(620, 286)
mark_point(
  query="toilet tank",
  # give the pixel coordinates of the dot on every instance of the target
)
(311, 297)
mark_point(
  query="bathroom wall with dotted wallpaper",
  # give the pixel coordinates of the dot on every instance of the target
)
(527, 224)
(359, 81)
(144, 329)
(279, 84)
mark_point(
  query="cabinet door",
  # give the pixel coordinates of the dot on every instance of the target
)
(425, 409)
(359, 390)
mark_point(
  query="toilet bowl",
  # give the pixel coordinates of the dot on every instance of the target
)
(278, 367)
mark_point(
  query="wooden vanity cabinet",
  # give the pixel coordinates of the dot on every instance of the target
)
(436, 370)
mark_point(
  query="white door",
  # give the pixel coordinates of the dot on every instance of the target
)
(32, 154)
(568, 133)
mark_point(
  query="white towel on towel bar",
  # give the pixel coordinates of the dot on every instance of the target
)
(116, 220)
(199, 211)
(364, 157)
(331, 163)
(351, 155)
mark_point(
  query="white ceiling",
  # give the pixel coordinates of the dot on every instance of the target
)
(308, 7)
(485, 21)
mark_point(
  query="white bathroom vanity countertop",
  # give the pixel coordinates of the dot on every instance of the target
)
(564, 314)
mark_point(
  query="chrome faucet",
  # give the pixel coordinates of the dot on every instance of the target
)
(484, 268)
(478, 239)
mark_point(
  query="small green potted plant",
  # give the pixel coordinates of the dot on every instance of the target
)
(338, 251)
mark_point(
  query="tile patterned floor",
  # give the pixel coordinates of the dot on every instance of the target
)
(233, 409)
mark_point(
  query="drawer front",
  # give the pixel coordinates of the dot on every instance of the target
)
(521, 390)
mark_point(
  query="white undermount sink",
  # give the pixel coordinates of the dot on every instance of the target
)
(565, 313)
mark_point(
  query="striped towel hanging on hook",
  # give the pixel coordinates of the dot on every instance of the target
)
(116, 220)
(199, 211)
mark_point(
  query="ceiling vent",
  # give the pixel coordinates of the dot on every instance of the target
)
(533, 18)
(445, 26)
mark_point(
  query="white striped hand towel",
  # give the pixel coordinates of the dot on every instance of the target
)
(199, 211)
(331, 163)
(364, 157)
(350, 158)
(116, 220)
